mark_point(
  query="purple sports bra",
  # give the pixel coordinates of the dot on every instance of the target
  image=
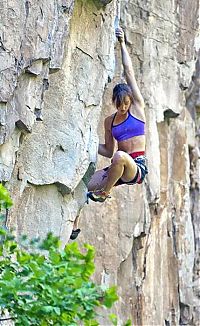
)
(129, 128)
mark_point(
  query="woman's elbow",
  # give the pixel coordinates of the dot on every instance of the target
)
(128, 70)
(110, 153)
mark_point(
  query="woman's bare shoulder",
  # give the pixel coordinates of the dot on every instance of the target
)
(109, 118)
(108, 121)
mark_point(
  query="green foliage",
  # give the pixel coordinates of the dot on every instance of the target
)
(42, 284)
(113, 319)
(52, 288)
(46, 285)
(5, 200)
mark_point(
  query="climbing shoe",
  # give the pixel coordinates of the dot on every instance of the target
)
(75, 234)
(97, 196)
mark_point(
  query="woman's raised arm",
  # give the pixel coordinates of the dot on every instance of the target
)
(128, 69)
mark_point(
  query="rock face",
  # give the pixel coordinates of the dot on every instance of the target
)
(59, 62)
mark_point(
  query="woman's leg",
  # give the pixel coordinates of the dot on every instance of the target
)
(98, 180)
(76, 222)
(123, 166)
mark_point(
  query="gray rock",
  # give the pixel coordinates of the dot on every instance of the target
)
(59, 62)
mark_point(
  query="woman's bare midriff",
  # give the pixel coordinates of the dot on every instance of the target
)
(131, 145)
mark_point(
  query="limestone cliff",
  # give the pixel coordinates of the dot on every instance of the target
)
(59, 61)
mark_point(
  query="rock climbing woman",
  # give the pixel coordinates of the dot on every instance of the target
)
(126, 127)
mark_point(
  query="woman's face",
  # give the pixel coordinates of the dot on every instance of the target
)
(125, 105)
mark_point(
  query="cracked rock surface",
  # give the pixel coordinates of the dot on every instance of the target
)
(58, 64)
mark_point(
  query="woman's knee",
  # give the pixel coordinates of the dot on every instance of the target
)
(119, 158)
